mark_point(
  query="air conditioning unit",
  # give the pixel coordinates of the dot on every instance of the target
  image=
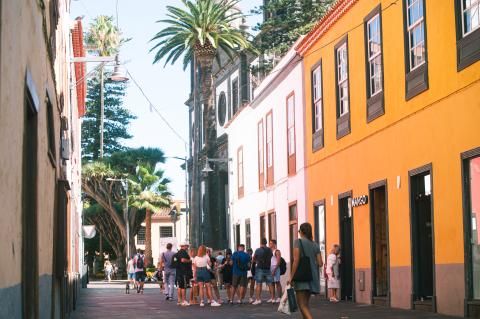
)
(65, 148)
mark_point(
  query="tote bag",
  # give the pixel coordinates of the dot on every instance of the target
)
(304, 270)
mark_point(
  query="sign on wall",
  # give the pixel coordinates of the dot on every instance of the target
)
(359, 201)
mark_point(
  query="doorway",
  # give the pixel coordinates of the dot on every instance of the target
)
(423, 264)
(237, 236)
(379, 243)
(346, 244)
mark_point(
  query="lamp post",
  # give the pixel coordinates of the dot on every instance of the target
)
(173, 216)
(124, 182)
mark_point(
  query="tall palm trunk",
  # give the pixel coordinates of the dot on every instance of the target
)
(148, 238)
(195, 212)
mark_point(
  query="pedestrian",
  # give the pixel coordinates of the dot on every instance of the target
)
(131, 272)
(306, 247)
(193, 284)
(183, 264)
(241, 263)
(332, 273)
(108, 270)
(227, 273)
(263, 259)
(139, 262)
(158, 275)
(214, 268)
(251, 275)
(275, 269)
(169, 272)
(218, 273)
(201, 266)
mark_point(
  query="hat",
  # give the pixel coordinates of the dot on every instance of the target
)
(184, 243)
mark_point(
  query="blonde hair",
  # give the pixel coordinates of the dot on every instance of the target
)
(202, 250)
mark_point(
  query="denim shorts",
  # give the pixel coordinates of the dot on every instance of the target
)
(263, 275)
(203, 275)
(131, 275)
(276, 278)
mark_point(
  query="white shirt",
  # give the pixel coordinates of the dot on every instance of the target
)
(201, 261)
(331, 261)
(130, 267)
(273, 263)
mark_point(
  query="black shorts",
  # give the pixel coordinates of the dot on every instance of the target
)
(239, 281)
(227, 279)
(183, 281)
(140, 276)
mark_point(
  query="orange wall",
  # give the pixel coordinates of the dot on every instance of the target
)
(433, 127)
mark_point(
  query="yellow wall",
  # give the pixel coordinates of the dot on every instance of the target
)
(433, 127)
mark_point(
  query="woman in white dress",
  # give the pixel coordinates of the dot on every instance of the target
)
(332, 272)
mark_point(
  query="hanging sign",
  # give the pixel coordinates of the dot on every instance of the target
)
(359, 201)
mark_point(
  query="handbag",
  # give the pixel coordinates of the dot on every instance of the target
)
(304, 270)
(292, 300)
(284, 306)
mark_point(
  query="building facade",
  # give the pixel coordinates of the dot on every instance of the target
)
(267, 193)
(392, 149)
(40, 161)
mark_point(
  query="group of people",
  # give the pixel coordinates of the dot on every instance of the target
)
(241, 272)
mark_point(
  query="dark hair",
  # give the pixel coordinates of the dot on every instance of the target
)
(169, 246)
(242, 246)
(306, 230)
(263, 241)
(274, 241)
(250, 250)
(139, 250)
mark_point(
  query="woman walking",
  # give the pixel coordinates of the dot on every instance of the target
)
(194, 290)
(306, 247)
(333, 273)
(201, 265)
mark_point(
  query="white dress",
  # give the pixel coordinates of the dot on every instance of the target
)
(333, 281)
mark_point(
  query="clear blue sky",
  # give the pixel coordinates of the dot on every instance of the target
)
(167, 87)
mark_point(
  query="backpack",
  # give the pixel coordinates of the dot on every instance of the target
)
(140, 262)
(265, 260)
(174, 262)
(241, 266)
(282, 266)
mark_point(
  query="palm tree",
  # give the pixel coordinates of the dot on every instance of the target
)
(199, 32)
(150, 192)
(103, 38)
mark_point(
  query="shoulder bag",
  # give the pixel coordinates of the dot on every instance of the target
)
(304, 270)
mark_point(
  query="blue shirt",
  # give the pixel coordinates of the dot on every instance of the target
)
(240, 258)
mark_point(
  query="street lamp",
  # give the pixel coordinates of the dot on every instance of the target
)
(124, 182)
(173, 216)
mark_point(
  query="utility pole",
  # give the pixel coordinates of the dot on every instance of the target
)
(102, 111)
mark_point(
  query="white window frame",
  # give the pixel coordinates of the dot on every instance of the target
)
(269, 139)
(240, 167)
(410, 28)
(317, 98)
(342, 80)
(291, 147)
(473, 3)
(377, 55)
(261, 148)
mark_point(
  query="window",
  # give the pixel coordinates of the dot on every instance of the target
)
(416, 48)
(166, 231)
(269, 143)
(248, 234)
(262, 226)
(240, 171)
(222, 108)
(201, 128)
(51, 132)
(141, 236)
(317, 107)
(261, 174)
(291, 134)
(374, 64)
(319, 235)
(468, 32)
(272, 226)
(343, 100)
(235, 96)
(293, 227)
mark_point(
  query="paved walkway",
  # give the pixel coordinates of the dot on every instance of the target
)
(103, 300)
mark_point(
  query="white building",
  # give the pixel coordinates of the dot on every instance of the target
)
(266, 144)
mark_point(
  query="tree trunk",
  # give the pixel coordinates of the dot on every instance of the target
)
(148, 238)
(195, 191)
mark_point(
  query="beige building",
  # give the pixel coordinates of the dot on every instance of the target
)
(39, 161)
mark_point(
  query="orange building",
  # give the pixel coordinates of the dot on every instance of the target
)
(392, 106)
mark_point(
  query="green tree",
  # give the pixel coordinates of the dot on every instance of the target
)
(150, 193)
(116, 118)
(103, 36)
(285, 21)
(199, 31)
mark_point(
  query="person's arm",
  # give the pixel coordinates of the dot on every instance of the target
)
(194, 268)
(319, 259)
(277, 265)
(296, 260)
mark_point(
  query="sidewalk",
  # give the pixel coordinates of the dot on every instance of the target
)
(104, 300)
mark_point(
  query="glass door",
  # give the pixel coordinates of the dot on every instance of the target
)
(473, 224)
(319, 210)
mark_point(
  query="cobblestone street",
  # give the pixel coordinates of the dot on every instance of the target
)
(102, 300)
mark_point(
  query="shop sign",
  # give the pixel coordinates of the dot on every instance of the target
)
(359, 201)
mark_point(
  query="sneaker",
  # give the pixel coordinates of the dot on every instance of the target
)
(185, 304)
(202, 304)
(278, 300)
(271, 301)
(167, 298)
(239, 302)
(250, 300)
(215, 304)
(256, 302)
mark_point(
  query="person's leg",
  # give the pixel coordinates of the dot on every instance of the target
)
(252, 287)
(279, 289)
(229, 291)
(303, 298)
(258, 290)
(215, 289)
(171, 285)
(200, 285)
(241, 293)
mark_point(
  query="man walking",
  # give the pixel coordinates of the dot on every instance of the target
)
(263, 259)
(169, 273)
(275, 269)
(183, 265)
(139, 262)
(241, 261)
(131, 271)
